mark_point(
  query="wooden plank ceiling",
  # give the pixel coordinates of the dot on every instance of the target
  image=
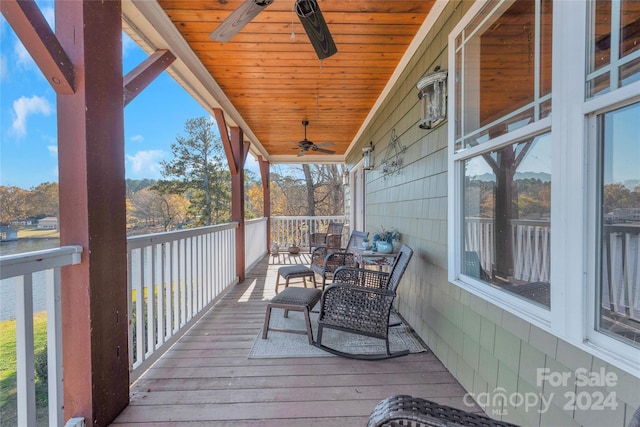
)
(271, 74)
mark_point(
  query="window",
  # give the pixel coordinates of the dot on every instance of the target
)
(613, 59)
(507, 207)
(619, 177)
(581, 281)
(503, 69)
(503, 148)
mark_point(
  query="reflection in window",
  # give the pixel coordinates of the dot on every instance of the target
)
(614, 45)
(619, 143)
(504, 60)
(507, 228)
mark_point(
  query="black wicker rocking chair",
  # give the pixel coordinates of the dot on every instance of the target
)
(359, 302)
(404, 410)
(331, 240)
(325, 262)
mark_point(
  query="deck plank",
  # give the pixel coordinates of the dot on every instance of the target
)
(206, 379)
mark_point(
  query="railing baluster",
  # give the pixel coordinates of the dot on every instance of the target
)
(137, 281)
(158, 281)
(24, 352)
(54, 349)
(147, 267)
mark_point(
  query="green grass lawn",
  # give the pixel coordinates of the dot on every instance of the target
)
(8, 396)
(34, 233)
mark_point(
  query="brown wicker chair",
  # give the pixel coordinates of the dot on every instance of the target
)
(405, 410)
(359, 301)
(328, 239)
(324, 261)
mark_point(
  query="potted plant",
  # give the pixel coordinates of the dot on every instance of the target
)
(294, 247)
(365, 243)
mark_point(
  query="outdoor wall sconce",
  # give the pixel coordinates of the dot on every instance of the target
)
(368, 157)
(433, 98)
(345, 178)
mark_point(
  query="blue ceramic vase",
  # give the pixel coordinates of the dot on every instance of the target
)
(385, 247)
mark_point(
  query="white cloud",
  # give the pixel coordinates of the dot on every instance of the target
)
(53, 150)
(23, 59)
(127, 44)
(23, 107)
(137, 138)
(146, 163)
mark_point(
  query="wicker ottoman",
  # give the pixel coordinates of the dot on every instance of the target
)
(295, 272)
(296, 299)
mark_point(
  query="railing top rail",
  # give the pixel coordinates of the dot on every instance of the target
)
(256, 220)
(30, 262)
(305, 217)
(622, 228)
(135, 242)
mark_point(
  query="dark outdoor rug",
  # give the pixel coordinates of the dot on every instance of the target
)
(283, 344)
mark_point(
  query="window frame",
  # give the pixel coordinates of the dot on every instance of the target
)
(572, 315)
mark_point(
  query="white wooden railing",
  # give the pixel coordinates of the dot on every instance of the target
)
(531, 247)
(174, 278)
(21, 270)
(621, 270)
(286, 230)
(255, 241)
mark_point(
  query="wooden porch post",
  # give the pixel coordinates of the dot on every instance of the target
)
(266, 196)
(236, 151)
(92, 212)
(240, 151)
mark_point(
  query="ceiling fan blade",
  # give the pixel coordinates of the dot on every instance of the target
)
(316, 28)
(323, 150)
(238, 19)
(325, 144)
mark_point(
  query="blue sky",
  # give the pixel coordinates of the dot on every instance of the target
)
(28, 129)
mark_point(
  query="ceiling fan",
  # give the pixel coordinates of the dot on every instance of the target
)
(306, 145)
(308, 12)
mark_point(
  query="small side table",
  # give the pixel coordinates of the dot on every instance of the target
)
(293, 299)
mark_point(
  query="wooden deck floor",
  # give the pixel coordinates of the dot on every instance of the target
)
(206, 379)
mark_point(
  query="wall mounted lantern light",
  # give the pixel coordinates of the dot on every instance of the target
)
(433, 98)
(368, 157)
(345, 178)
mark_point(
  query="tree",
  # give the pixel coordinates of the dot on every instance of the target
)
(12, 204)
(43, 200)
(308, 190)
(153, 207)
(198, 166)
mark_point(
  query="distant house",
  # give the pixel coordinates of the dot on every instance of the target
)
(25, 222)
(48, 223)
(8, 234)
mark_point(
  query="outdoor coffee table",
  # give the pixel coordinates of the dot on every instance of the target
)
(293, 299)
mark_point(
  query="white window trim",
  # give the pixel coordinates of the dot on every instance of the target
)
(572, 313)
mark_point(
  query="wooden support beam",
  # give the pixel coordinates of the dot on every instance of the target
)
(266, 196)
(140, 77)
(93, 212)
(236, 151)
(36, 35)
(239, 150)
(226, 143)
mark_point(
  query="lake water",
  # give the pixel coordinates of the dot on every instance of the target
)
(8, 286)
